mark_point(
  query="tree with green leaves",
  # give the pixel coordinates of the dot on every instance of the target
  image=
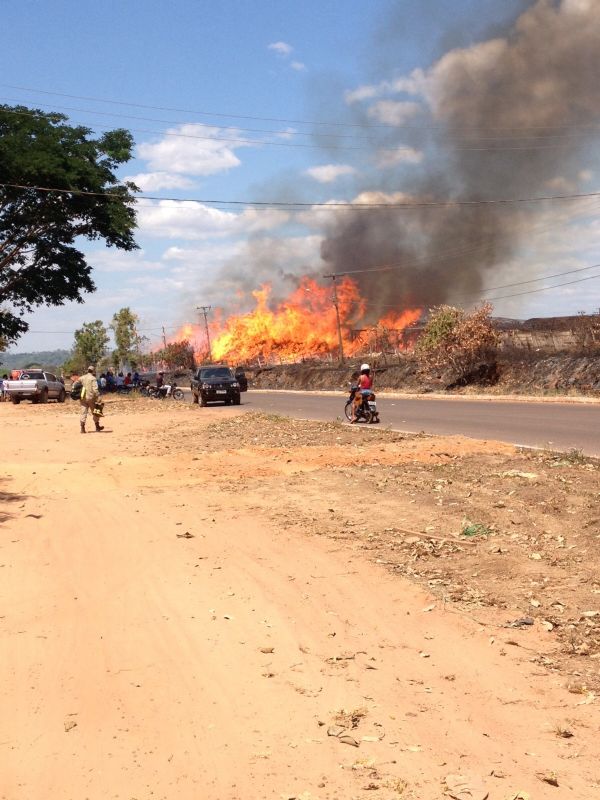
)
(57, 185)
(91, 341)
(90, 345)
(128, 341)
(177, 355)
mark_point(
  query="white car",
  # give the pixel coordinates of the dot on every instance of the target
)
(37, 386)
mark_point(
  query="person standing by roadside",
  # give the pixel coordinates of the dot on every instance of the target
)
(89, 397)
(3, 395)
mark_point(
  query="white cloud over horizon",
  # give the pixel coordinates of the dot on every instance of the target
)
(399, 155)
(281, 48)
(393, 112)
(188, 220)
(328, 173)
(191, 149)
(155, 181)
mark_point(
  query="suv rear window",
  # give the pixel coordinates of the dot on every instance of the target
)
(32, 375)
(215, 372)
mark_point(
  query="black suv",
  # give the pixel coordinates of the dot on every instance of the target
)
(212, 384)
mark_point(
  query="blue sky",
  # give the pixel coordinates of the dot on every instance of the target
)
(321, 61)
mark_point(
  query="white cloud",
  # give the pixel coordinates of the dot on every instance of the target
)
(360, 94)
(298, 66)
(158, 285)
(561, 184)
(193, 221)
(399, 155)
(412, 84)
(288, 133)
(328, 173)
(121, 261)
(393, 112)
(281, 48)
(154, 181)
(194, 150)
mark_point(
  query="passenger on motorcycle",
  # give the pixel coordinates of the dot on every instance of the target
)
(365, 388)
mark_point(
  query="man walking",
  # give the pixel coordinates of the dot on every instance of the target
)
(89, 397)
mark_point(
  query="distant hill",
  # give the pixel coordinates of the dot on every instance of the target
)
(44, 358)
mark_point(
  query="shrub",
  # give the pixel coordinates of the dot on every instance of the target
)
(454, 342)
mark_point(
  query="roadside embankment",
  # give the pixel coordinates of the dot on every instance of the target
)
(558, 374)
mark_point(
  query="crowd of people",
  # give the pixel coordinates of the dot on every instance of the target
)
(109, 382)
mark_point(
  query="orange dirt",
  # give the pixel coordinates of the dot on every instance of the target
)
(192, 600)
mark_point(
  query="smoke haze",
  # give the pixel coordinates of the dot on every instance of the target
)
(515, 115)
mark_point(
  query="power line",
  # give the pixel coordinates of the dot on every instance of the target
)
(262, 142)
(510, 285)
(333, 205)
(543, 288)
(287, 133)
(274, 119)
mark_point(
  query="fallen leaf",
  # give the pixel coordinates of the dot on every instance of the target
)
(345, 739)
(267, 650)
(335, 730)
(69, 725)
(428, 608)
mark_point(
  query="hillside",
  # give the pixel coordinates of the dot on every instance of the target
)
(45, 358)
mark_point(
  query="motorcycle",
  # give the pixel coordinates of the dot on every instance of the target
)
(366, 411)
(167, 390)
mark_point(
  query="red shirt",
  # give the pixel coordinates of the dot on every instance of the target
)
(365, 382)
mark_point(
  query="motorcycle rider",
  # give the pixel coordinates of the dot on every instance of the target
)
(365, 388)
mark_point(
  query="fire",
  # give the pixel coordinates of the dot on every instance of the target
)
(303, 325)
(398, 322)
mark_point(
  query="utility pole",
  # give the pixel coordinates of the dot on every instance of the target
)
(337, 315)
(205, 310)
(164, 337)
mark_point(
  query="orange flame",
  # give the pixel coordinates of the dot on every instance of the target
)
(303, 325)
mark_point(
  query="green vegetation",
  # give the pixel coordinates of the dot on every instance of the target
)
(91, 341)
(475, 529)
(128, 341)
(39, 264)
(46, 358)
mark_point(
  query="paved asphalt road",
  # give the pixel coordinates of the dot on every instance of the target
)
(558, 426)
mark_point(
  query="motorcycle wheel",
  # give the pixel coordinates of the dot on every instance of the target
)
(348, 410)
(178, 394)
(367, 416)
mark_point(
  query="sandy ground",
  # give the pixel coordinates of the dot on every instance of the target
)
(199, 604)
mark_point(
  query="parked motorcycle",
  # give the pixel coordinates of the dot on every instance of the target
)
(367, 411)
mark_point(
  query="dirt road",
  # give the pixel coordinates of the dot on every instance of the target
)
(170, 630)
